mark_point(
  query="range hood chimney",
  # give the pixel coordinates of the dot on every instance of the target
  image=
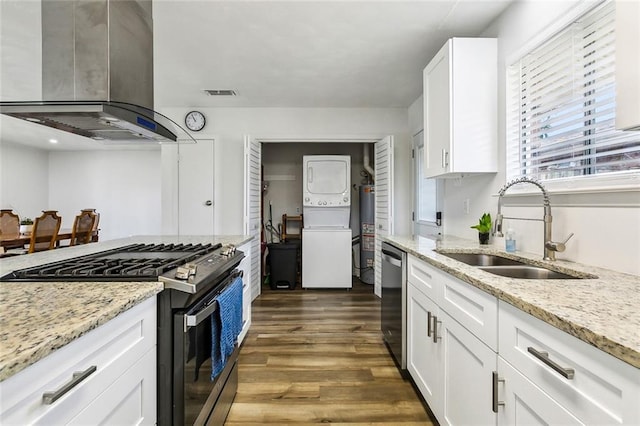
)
(97, 76)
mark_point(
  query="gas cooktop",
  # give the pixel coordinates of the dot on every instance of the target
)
(135, 262)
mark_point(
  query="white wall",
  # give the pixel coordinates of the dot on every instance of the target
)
(606, 225)
(229, 125)
(123, 186)
(24, 174)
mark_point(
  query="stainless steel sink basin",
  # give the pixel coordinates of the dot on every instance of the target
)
(505, 267)
(481, 259)
(527, 272)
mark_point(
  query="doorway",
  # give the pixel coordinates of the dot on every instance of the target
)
(281, 185)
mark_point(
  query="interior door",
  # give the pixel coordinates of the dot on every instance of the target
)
(252, 215)
(383, 203)
(196, 188)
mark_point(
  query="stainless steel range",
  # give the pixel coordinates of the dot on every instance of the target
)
(193, 275)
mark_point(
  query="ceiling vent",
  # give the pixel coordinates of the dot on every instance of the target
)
(224, 92)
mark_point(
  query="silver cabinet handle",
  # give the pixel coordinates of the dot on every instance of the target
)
(567, 373)
(429, 323)
(435, 329)
(494, 386)
(49, 398)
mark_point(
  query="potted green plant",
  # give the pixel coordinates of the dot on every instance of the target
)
(26, 225)
(484, 227)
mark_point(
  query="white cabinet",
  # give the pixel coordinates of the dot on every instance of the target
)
(424, 358)
(523, 403)
(460, 88)
(245, 267)
(592, 386)
(627, 65)
(467, 352)
(451, 366)
(118, 387)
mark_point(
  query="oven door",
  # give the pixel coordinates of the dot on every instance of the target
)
(198, 399)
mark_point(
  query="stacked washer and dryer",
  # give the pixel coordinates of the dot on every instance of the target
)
(326, 236)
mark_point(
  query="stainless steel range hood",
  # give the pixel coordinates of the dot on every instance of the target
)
(97, 73)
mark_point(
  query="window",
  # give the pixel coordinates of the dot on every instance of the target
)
(427, 190)
(562, 108)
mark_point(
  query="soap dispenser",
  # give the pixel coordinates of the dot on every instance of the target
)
(510, 241)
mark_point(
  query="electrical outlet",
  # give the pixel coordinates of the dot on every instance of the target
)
(297, 209)
(465, 206)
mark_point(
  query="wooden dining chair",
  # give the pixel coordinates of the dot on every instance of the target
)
(94, 233)
(82, 230)
(45, 231)
(9, 222)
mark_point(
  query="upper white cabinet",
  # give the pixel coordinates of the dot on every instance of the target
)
(461, 108)
(628, 65)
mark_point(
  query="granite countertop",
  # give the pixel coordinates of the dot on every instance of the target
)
(601, 311)
(37, 318)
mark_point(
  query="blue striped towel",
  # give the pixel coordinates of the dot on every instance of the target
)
(226, 324)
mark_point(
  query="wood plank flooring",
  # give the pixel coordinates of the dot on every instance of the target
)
(317, 356)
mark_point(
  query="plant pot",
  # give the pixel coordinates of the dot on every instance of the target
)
(483, 237)
(25, 229)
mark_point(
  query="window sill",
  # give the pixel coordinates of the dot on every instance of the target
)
(614, 182)
(620, 191)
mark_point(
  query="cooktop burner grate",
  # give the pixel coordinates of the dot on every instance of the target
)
(136, 262)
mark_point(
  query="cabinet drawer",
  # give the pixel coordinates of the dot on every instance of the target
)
(112, 348)
(474, 309)
(602, 390)
(425, 277)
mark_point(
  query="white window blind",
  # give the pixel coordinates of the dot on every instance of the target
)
(562, 108)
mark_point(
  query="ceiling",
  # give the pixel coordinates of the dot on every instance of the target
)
(295, 53)
(305, 53)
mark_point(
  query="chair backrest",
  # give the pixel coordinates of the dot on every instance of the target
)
(9, 222)
(83, 228)
(45, 231)
(95, 229)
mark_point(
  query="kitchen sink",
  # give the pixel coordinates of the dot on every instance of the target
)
(527, 272)
(481, 259)
(505, 267)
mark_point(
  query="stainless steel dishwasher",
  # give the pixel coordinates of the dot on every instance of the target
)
(393, 317)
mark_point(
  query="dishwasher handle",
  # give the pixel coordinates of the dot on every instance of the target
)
(391, 258)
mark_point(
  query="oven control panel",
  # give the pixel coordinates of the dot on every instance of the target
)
(191, 276)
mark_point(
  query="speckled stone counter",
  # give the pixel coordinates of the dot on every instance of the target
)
(37, 318)
(601, 309)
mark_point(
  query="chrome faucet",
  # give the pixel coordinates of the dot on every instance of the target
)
(550, 247)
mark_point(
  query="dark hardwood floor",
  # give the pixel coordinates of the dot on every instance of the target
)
(317, 356)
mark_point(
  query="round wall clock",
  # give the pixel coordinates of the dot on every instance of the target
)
(194, 121)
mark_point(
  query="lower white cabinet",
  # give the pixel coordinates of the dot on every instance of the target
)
(523, 403)
(451, 367)
(245, 267)
(424, 357)
(477, 361)
(591, 385)
(110, 373)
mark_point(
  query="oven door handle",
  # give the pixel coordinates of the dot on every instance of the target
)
(193, 319)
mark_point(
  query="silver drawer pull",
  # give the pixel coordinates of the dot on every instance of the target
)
(429, 323)
(567, 373)
(49, 398)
